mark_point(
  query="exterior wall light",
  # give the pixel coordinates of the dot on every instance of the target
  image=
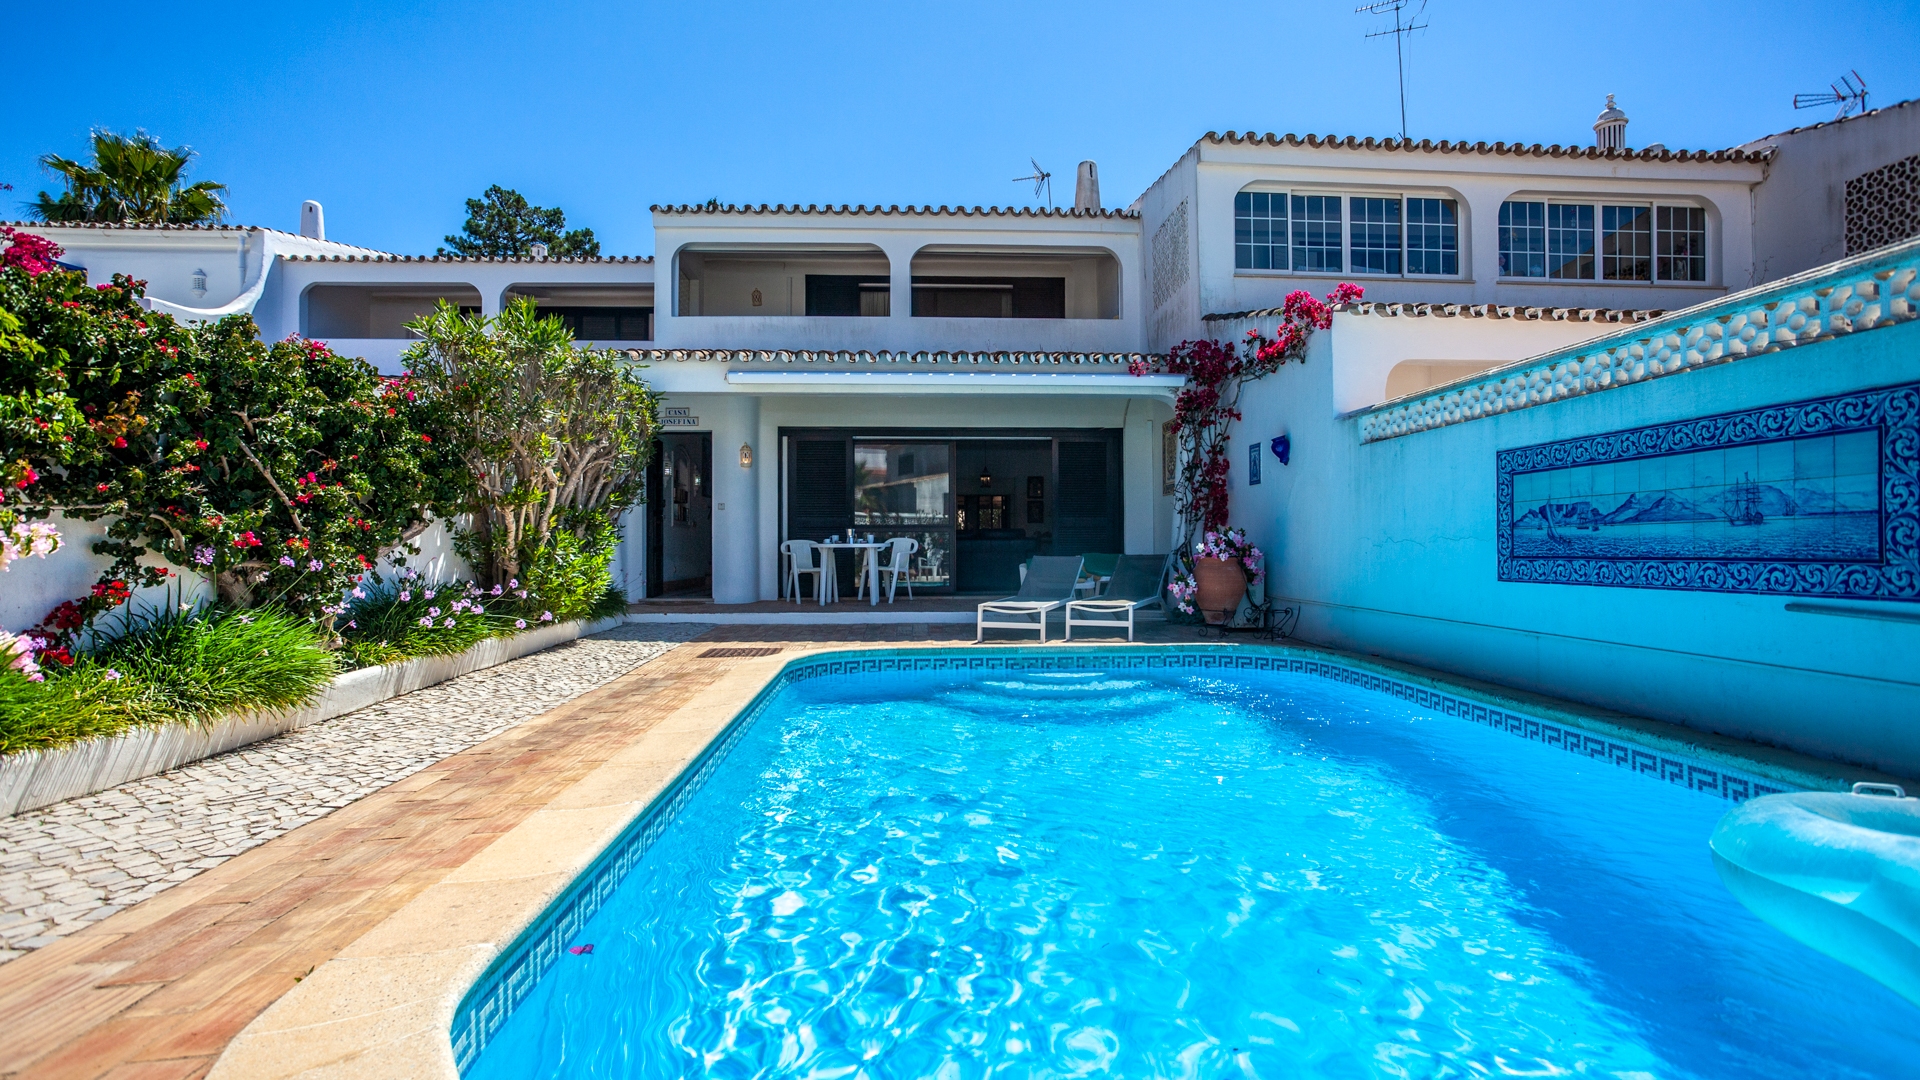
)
(1282, 448)
(746, 456)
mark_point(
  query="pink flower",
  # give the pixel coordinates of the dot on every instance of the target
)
(546, 616)
(405, 595)
(519, 624)
(449, 621)
(478, 610)
(315, 565)
(428, 594)
(286, 560)
(112, 675)
(424, 621)
(433, 612)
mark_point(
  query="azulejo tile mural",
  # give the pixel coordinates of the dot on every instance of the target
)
(1813, 498)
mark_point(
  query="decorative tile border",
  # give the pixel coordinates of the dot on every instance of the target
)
(1866, 293)
(1892, 573)
(510, 979)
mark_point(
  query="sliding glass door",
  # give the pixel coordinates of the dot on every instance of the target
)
(905, 488)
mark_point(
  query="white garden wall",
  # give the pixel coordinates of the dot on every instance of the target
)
(1390, 548)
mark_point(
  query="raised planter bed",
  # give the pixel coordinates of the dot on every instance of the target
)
(37, 778)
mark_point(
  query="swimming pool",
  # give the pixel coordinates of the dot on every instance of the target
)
(1160, 863)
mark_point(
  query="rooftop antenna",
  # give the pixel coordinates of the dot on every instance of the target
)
(1041, 179)
(1849, 92)
(1400, 31)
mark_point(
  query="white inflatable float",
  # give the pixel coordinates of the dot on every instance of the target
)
(1837, 871)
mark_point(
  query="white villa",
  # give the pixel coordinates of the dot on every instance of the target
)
(960, 374)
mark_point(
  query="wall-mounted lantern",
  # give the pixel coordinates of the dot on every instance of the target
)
(1282, 448)
(746, 456)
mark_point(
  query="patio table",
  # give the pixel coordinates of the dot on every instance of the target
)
(872, 568)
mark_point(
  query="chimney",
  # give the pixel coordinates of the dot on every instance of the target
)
(1610, 130)
(1086, 188)
(313, 221)
(538, 250)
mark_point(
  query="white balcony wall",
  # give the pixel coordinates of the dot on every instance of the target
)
(897, 237)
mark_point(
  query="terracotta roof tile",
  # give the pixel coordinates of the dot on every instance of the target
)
(923, 358)
(1470, 311)
(384, 258)
(1349, 142)
(887, 211)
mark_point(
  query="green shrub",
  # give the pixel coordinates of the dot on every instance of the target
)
(572, 574)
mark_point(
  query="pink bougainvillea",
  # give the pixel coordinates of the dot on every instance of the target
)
(34, 254)
(1206, 407)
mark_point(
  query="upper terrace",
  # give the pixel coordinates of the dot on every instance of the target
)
(898, 279)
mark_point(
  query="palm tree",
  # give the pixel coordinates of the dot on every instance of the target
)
(131, 179)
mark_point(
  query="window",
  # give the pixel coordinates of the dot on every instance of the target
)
(1633, 243)
(1523, 239)
(1626, 243)
(1569, 241)
(1260, 230)
(1316, 233)
(847, 294)
(989, 298)
(1680, 240)
(1380, 234)
(605, 323)
(1433, 237)
(1376, 235)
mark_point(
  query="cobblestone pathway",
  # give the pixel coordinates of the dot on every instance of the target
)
(68, 865)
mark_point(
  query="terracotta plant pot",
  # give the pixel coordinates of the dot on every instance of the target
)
(1222, 584)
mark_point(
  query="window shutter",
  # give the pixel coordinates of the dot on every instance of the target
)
(819, 500)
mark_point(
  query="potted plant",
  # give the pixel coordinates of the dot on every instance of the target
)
(1224, 564)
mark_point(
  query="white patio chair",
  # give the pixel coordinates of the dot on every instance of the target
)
(803, 557)
(1135, 584)
(1049, 584)
(900, 551)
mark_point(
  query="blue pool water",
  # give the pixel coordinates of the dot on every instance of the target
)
(1134, 874)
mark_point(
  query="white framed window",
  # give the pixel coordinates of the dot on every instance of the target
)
(1327, 233)
(1616, 242)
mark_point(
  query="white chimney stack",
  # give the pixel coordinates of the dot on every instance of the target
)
(1086, 187)
(313, 221)
(1610, 130)
(539, 249)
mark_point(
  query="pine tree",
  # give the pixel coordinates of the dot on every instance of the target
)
(502, 224)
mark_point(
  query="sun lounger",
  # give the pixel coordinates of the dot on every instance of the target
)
(1136, 584)
(1049, 585)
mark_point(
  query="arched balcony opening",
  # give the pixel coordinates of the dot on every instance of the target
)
(781, 279)
(361, 312)
(597, 314)
(969, 282)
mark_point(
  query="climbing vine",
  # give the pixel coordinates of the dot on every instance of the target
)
(1206, 407)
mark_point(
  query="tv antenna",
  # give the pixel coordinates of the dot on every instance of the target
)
(1041, 179)
(1400, 31)
(1849, 92)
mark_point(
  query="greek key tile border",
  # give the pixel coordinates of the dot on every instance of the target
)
(510, 979)
(1894, 411)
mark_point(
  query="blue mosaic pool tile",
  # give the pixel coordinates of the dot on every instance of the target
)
(508, 982)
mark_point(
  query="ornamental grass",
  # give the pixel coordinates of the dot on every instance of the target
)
(168, 667)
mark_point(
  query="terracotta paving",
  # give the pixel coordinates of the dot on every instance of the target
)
(157, 991)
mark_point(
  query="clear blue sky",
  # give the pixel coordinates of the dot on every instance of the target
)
(392, 117)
